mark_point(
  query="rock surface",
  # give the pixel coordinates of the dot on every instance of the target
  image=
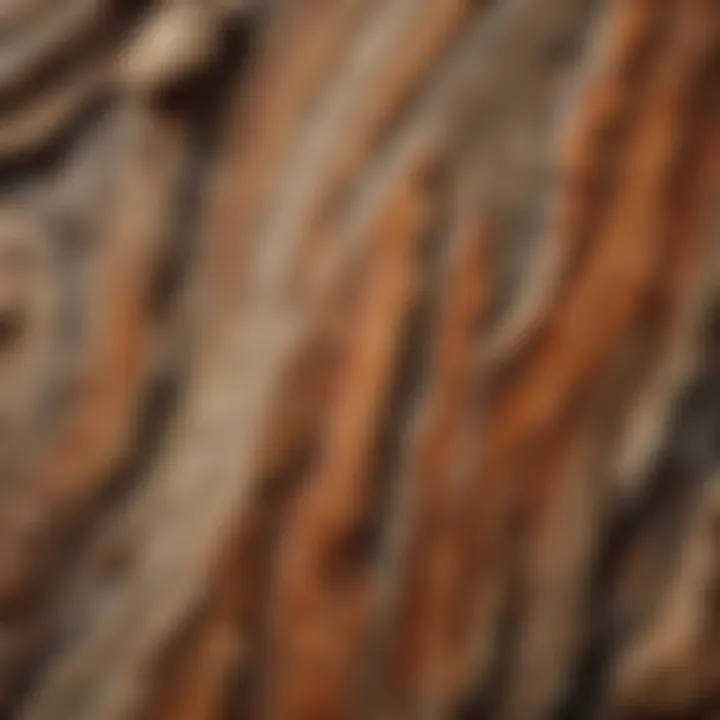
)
(359, 359)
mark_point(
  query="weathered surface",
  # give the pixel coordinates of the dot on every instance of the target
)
(360, 358)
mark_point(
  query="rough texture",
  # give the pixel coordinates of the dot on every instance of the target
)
(359, 359)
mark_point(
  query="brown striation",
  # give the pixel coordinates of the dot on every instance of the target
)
(359, 358)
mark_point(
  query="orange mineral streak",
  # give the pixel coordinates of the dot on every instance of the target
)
(539, 393)
(96, 429)
(322, 589)
(430, 579)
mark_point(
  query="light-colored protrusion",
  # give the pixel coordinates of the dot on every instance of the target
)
(176, 41)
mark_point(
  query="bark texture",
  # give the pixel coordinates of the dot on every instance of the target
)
(359, 359)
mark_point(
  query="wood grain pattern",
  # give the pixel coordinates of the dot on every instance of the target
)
(359, 358)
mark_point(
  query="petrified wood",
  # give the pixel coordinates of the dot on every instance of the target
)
(359, 359)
